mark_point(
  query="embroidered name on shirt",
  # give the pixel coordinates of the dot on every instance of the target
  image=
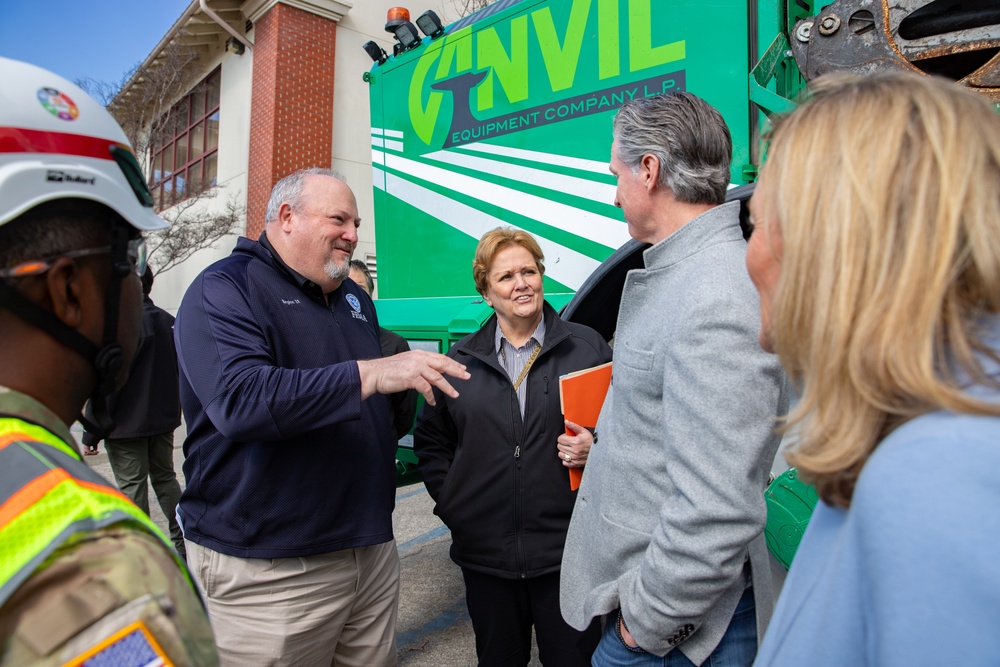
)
(291, 302)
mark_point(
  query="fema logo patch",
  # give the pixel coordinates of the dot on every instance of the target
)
(355, 304)
(58, 104)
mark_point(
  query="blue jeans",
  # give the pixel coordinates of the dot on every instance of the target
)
(737, 648)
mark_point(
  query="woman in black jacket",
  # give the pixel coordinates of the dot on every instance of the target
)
(490, 459)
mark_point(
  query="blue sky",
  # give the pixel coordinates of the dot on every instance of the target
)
(97, 39)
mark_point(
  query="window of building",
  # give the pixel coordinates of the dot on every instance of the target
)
(185, 148)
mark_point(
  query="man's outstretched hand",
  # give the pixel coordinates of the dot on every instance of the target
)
(416, 369)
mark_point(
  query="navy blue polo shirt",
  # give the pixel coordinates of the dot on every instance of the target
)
(282, 457)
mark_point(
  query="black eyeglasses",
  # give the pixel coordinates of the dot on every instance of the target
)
(136, 256)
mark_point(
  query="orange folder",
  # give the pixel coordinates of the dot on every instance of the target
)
(581, 396)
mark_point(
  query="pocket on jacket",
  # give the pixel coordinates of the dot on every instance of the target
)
(628, 531)
(629, 534)
(633, 357)
(442, 504)
(448, 488)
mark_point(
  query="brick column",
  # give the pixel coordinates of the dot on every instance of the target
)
(291, 115)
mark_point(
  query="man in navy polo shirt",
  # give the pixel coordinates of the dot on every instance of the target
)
(290, 463)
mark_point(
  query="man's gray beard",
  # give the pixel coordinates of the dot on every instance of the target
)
(338, 272)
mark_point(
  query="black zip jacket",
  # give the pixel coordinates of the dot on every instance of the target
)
(497, 481)
(149, 404)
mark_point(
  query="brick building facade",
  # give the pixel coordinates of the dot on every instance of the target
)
(292, 96)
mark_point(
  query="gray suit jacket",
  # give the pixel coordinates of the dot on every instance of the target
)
(671, 507)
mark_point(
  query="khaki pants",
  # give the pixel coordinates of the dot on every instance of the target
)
(336, 609)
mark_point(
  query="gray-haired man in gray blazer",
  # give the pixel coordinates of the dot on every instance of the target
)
(666, 539)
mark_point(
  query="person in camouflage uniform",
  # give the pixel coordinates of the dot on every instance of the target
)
(85, 576)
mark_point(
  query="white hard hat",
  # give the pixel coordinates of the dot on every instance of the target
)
(58, 142)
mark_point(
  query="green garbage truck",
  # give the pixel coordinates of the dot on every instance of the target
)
(504, 117)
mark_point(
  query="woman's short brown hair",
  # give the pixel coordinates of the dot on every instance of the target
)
(492, 243)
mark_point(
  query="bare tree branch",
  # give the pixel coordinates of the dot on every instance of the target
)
(103, 91)
(193, 227)
(465, 7)
(147, 94)
(141, 103)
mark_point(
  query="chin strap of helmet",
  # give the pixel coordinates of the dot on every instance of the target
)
(107, 360)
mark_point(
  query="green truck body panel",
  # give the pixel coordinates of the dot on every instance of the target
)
(507, 121)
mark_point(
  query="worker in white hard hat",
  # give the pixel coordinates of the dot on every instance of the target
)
(85, 576)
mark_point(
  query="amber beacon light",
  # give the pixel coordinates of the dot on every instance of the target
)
(397, 21)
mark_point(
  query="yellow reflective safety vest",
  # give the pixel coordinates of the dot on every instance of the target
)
(50, 498)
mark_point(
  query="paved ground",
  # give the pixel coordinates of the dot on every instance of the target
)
(433, 628)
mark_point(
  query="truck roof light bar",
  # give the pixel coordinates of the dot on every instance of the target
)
(376, 52)
(407, 36)
(430, 24)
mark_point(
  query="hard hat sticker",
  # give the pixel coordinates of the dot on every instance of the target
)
(58, 104)
(59, 176)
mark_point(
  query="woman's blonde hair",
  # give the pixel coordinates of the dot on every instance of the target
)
(886, 190)
(492, 243)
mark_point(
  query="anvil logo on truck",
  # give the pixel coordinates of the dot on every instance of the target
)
(507, 58)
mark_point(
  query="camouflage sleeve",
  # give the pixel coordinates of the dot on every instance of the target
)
(117, 597)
